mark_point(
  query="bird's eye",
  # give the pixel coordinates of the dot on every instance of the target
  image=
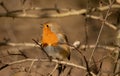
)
(47, 26)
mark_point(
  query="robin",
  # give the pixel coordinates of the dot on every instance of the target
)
(54, 43)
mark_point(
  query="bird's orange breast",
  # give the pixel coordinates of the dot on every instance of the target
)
(49, 37)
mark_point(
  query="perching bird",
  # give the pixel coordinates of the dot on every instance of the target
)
(54, 41)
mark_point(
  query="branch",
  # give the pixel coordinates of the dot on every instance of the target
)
(101, 29)
(47, 60)
(110, 48)
(23, 44)
(67, 12)
(114, 6)
(70, 12)
(99, 18)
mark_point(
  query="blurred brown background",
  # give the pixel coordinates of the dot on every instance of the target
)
(26, 29)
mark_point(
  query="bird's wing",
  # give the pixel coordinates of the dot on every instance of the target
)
(62, 38)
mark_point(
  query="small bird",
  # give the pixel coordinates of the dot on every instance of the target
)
(54, 41)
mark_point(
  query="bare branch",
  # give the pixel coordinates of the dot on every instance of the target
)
(67, 12)
(99, 18)
(56, 66)
(102, 26)
(23, 44)
(110, 48)
(20, 14)
(53, 60)
(114, 6)
(3, 5)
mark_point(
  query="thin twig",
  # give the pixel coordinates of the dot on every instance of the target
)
(87, 66)
(82, 46)
(56, 66)
(103, 23)
(40, 45)
(23, 44)
(99, 18)
(47, 60)
(23, 14)
(3, 5)
(31, 66)
(20, 14)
